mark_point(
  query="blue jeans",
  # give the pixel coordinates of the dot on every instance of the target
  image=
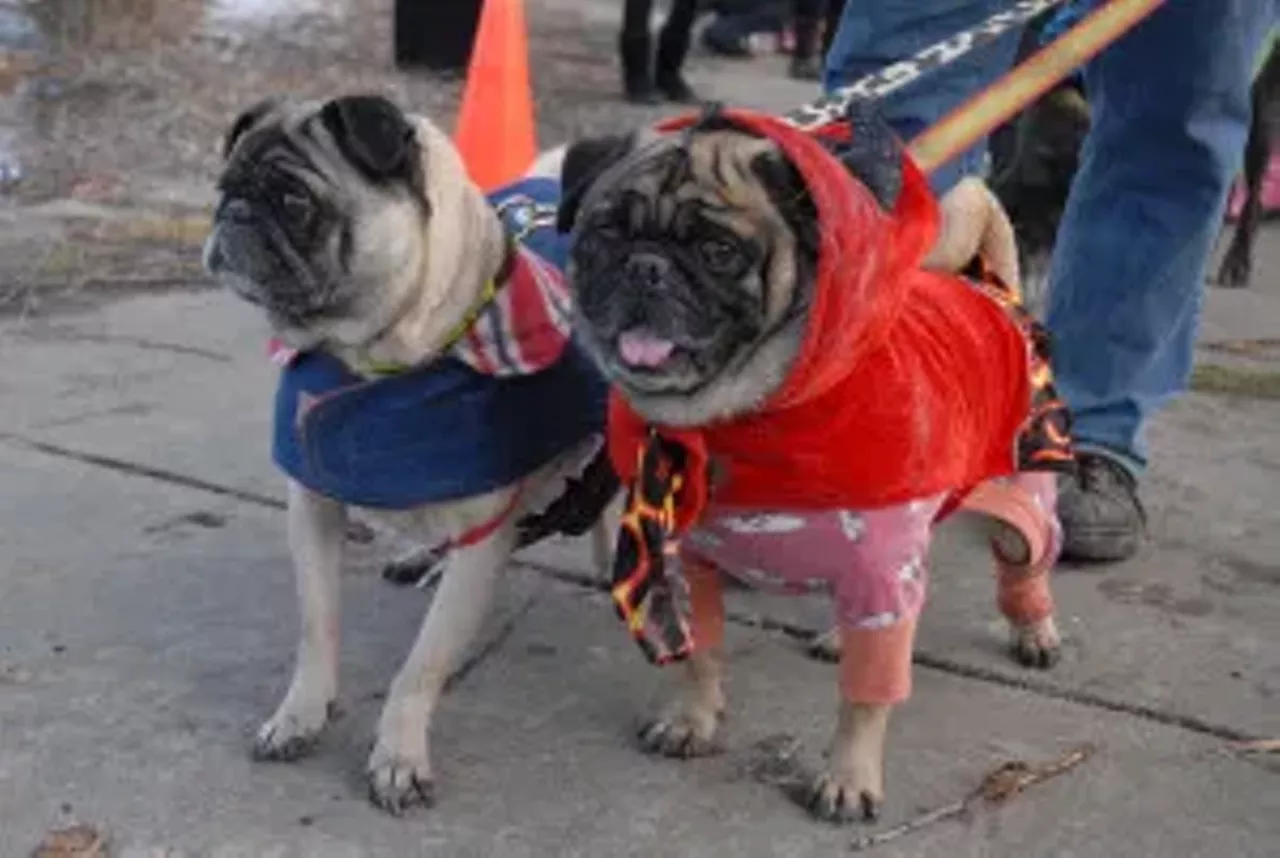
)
(1170, 108)
(876, 33)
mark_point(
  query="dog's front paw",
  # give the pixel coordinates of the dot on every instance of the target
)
(683, 732)
(1036, 644)
(845, 796)
(293, 732)
(398, 783)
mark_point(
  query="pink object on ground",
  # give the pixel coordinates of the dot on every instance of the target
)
(1270, 191)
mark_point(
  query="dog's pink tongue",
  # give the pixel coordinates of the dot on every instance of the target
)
(641, 348)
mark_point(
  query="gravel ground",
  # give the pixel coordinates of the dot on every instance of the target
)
(114, 110)
(146, 106)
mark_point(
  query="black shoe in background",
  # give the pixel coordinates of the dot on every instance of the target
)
(673, 47)
(637, 72)
(732, 47)
(805, 69)
(673, 87)
(1102, 517)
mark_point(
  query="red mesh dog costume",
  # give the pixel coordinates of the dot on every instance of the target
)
(911, 389)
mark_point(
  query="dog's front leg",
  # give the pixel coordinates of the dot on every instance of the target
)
(852, 786)
(317, 533)
(399, 771)
(689, 725)
(875, 674)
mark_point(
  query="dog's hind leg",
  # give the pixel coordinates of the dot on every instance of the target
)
(317, 531)
(1026, 540)
(1237, 262)
(418, 566)
(825, 645)
(399, 770)
(974, 224)
(604, 536)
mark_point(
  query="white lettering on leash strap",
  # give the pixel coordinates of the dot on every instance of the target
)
(833, 106)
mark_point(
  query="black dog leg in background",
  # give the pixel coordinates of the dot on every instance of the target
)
(435, 34)
(1237, 262)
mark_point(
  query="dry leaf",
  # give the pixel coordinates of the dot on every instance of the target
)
(1012, 778)
(79, 841)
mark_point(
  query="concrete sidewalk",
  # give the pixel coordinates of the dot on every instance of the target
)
(146, 623)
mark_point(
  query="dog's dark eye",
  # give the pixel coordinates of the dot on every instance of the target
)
(297, 206)
(720, 257)
(606, 229)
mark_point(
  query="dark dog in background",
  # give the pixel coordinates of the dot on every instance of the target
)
(1237, 262)
(1033, 165)
(1034, 159)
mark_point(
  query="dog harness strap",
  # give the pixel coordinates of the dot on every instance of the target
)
(379, 369)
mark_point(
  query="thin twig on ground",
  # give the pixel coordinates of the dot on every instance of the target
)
(1258, 746)
(997, 787)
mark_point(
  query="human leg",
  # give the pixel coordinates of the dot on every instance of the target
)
(874, 35)
(1127, 274)
(830, 23)
(636, 50)
(673, 47)
(805, 20)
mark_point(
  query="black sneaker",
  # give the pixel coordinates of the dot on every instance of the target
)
(674, 87)
(733, 47)
(641, 92)
(1102, 518)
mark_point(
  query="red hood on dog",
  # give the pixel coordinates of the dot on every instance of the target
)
(908, 383)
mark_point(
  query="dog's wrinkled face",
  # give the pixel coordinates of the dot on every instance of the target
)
(692, 266)
(321, 212)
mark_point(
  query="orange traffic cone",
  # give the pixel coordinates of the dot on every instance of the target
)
(495, 131)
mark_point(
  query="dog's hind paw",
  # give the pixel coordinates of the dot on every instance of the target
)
(399, 784)
(290, 734)
(1235, 269)
(1036, 644)
(420, 567)
(835, 798)
(825, 646)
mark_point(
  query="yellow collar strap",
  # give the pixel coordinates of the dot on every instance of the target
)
(487, 294)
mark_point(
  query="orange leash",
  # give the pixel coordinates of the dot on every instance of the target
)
(1035, 76)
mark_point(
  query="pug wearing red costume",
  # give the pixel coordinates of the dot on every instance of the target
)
(802, 390)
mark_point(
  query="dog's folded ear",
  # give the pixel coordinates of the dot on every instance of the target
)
(584, 161)
(243, 123)
(790, 195)
(374, 135)
(873, 153)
